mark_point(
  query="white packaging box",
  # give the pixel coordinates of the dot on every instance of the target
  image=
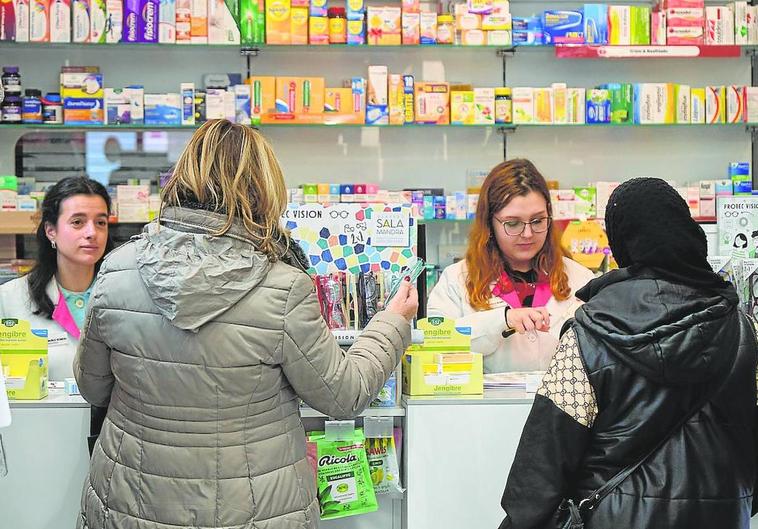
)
(752, 24)
(683, 104)
(523, 104)
(60, 21)
(576, 105)
(752, 104)
(167, 22)
(736, 101)
(719, 25)
(21, 9)
(200, 14)
(697, 108)
(222, 28)
(741, 36)
(116, 17)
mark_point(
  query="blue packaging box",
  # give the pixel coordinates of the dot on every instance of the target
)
(596, 23)
(598, 106)
(562, 27)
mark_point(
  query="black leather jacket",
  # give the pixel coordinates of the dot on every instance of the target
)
(650, 349)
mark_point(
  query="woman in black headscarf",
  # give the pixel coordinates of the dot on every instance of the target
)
(658, 367)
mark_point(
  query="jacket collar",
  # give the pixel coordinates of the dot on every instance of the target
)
(202, 221)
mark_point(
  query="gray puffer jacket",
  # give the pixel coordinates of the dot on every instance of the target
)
(200, 348)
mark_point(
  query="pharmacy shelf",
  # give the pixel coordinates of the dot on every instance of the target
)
(649, 52)
(17, 222)
(248, 49)
(308, 412)
(500, 127)
(560, 51)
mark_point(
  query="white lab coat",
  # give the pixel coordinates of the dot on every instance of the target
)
(449, 299)
(15, 303)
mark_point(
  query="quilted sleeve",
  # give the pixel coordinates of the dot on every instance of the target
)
(338, 383)
(92, 363)
(565, 406)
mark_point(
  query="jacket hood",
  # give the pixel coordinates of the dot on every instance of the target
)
(670, 333)
(192, 276)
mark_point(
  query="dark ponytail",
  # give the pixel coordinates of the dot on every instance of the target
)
(47, 259)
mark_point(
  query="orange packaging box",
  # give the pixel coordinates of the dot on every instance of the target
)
(433, 103)
(341, 107)
(298, 100)
(263, 97)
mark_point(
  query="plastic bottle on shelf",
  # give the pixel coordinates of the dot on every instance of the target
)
(31, 111)
(445, 29)
(503, 105)
(11, 80)
(52, 108)
(11, 109)
(337, 25)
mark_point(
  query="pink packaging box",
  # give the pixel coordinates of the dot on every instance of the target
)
(685, 17)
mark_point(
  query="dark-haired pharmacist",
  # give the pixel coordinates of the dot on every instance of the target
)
(72, 238)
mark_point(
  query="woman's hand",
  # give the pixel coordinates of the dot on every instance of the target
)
(528, 319)
(405, 302)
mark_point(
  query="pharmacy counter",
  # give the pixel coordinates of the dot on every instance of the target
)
(46, 452)
(47, 457)
(458, 452)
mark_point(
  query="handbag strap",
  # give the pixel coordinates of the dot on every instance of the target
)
(596, 497)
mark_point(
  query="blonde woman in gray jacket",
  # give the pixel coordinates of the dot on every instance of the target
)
(202, 335)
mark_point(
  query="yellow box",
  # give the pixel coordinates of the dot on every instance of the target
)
(432, 103)
(299, 25)
(23, 358)
(670, 103)
(543, 105)
(396, 100)
(341, 106)
(462, 107)
(444, 364)
(278, 23)
(318, 30)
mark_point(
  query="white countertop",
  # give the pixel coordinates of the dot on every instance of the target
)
(490, 397)
(56, 398)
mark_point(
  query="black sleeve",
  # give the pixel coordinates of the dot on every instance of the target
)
(550, 451)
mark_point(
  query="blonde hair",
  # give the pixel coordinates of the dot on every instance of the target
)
(232, 170)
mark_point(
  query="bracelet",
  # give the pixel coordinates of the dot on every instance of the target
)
(508, 330)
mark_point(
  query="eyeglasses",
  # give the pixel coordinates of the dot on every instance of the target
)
(514, 228)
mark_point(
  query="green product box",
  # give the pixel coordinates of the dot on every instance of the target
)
(586, 202)
(622, 102)
(8, 183)
(640, 25)
(252, 23)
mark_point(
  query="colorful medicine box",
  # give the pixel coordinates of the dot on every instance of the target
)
(562, 27)
(432, 103)
(23, 359)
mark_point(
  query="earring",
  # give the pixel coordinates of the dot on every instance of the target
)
(52, 243)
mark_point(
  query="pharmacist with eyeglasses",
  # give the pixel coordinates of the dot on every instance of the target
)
(515, 289)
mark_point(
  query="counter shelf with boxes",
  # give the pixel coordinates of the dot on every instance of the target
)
(381, 98)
